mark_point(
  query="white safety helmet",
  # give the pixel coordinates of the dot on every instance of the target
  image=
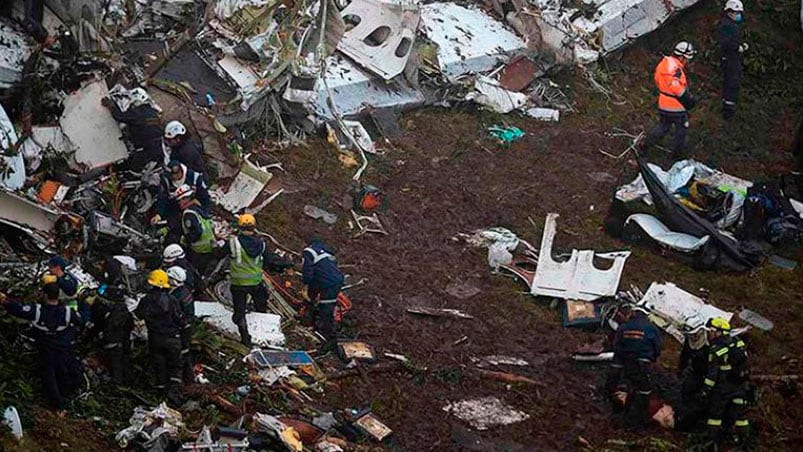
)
(172, 253)
(174, 129)
(139, 96)
(184, 191)
(177, 276)
(685, 49)
(734, 5)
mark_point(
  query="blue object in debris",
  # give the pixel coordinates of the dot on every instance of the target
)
(506, 135)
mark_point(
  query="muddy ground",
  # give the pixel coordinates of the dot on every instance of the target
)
(444, 176)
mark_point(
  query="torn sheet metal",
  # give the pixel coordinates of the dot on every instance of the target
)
(382, 39)
(27, 215)
(14, 51)
(660, 233)
(14, 178)
(91, 127)
(677, 307)
(489, 94)
(245, 189)
(485, 412)
(354, 90)
(265, 329)
(577, 278)
(468, 39)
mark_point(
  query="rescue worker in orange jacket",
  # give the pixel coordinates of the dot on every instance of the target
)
(674, 98)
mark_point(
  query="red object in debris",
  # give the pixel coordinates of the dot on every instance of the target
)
(518, 74)
(343, 306)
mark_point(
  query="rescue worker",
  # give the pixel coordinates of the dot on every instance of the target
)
(725, 387)
(174, 255)
(692, 369)
(674, 98)
(182, 147)
(144, 128)
(324, 280)
(167, 208)
(198, 232)
(164, 319)
(54, 333)
(636, 346)
(181, 292)
(114, 322)
(731, 48)
(57, 266)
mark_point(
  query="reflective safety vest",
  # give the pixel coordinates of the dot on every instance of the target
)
(206, 242)
(670, 79)
(246, 271)
(317, 257)
(44, 328)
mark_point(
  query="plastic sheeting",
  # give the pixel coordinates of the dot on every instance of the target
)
(660, 233)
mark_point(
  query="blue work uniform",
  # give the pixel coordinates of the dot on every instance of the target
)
(324, 281)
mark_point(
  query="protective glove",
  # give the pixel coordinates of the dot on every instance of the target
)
(156, 219)
(743, 47)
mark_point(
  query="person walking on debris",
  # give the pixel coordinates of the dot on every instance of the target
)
(725, 387)
(636, 346)
(113, 321)
(324, 281)
(182, 147)
(248, 257)
(173, 256)
(692, 369)
(731, 48)
(54, 332)
(181, 292)
(165, 321)
(199, 233)
(674, 98)
(144, 128)
(167, 207)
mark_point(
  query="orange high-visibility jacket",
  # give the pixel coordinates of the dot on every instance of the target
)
(670, 79)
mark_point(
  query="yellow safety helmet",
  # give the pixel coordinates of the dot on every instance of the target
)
(49, 278)
(718, 323)
(158, 278)
(246, 220)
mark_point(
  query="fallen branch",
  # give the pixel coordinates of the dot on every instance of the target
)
(775, 377)
(508, 377)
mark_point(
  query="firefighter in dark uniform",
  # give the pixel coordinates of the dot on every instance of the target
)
(144, 128)
(57, 266)
(182, 147)
(167, 207)
(725, 387)
(636, 346)
(324, 281)
(198, 231)
(731, 48)
(692, 369)
(165, 321)
(181, 292)
(174, 256)
(114, 322)
(54, 332)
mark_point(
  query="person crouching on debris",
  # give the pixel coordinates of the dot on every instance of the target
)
(165, 321)
(144, 128)
(324, 281)
(636, 346)
(674, 98)
(725, 387)
(179, 290)
(113, 321)
(166, 205)
(182, 147)
(54, 332)
(174, 256)
(248, 256)
(692, 368)
(196, 225)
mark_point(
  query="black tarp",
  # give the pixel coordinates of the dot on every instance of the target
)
(721, 252)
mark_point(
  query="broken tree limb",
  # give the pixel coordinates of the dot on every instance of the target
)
(432, 312)
(508, 377)
(775, 377)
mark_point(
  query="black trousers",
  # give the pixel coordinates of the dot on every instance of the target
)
(324, 302)
(239, 296)
(187, 360)
(118, 355)
(693, 411)
(679, 121)
(61, 375)
(636, 374)
(727, 407)
(202, 262)
(731, 83)
(165, 353)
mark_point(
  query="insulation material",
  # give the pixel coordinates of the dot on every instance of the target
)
(17, 210)
(265, 329)
(245, 189)
(576, 278)
(14, 50)
(383, 37)
(676, 307)
(489, 94)
(468, 40)
(91, 127)
(660, 233)
(485, 412)
(14, 178)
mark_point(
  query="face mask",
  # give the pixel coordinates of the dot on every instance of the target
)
(738, 18)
